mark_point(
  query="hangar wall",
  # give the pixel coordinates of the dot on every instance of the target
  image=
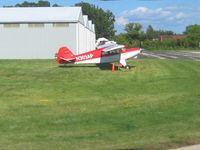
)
(40, 42)
(86, 39)
(81, 38)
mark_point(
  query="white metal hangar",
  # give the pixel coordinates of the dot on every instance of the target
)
(38, 33)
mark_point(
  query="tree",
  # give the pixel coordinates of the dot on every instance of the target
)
(193, 35)
(56, 5)
(165, 32)
(151, 33)
(122, 39)
(103, 20)
(193, 32)
(40, 3)
(135, 33)
(133, 27)
(133, 30)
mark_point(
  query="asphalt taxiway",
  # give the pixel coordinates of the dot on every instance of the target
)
(193, 55)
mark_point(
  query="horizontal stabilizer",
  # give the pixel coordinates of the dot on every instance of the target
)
(65, 56)
(67, 59)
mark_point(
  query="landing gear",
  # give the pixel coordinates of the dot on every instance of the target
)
(121, 67)
(127, 67)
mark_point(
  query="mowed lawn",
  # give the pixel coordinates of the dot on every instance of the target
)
(155, 105)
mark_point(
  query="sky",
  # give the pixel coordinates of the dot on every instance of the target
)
(172, 15)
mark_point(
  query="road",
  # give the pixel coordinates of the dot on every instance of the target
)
(194, 55)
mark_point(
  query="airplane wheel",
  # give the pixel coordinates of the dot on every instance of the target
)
(127, 67)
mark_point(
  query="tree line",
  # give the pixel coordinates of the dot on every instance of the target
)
(40, 3)
(134, 34)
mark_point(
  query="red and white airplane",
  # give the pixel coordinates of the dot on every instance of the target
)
(106, 52)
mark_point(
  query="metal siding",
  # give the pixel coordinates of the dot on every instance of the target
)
(77, 39)
(93, 40)
(85, 39)
(88, 40)
(36, 43)
(82, 39)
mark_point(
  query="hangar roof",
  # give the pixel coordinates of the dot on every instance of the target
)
(41, 14)
(44, 14)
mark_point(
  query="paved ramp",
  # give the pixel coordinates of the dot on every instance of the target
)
(172, 55)
(194, 147)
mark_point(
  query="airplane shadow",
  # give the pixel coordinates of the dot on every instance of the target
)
(105, 66)
(76, 66)
(100, 66)
(131, 149)
(109, 67)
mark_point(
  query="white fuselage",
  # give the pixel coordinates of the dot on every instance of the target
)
(121, 57)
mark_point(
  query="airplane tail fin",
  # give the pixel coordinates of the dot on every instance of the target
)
(64, 55)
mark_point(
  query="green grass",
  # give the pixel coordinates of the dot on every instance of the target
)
(156, 105)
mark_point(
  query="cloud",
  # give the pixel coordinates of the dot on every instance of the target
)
(158, 17)
(146, 14)
(139, 10)
(122, 21)
(179, 16)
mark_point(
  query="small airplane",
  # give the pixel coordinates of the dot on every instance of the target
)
(106, 52)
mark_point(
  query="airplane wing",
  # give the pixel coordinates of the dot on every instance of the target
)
(113, 47)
